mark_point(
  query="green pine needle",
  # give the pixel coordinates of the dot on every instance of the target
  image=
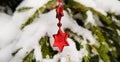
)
(46, 48)
(29, 57)
(23, 9)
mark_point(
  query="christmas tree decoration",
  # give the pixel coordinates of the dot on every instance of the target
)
(60, 40)
(60, 37)
(59, 0)
(91, 31)
(59, 11)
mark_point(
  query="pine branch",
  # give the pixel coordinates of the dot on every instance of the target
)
(86, 59)
(74, 36)
(40, 10)
(94, 58)
(80, 8)
(89, 50)
(23, 9)
(29, 57)
(103, 50)
(76, 7)
(46, 48)
(14, 53)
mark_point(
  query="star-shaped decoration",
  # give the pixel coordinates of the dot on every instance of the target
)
(60, 40)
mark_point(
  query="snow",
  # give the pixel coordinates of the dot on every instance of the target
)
(20, 55)
(88, 3)
(118, 31)
(70, 52)
(92, 4)
(93, 19)
(5, 53)
(30, 35)
(112, 6)
(116, 20)
(90, 18)
(4, 18)
(12, 38)
(8, 33)
(31, 3)
(38, 54)
(8, 30)
(40, 27)
(35, 4)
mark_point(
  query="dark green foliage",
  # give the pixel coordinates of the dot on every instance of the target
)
(103, 50)
(23, 9)
(117, 16)
(76, 7)
(30, 57)
(113, 56)
(46, 48)
(86, 59)
(94, 58)
(89, 49)
(75, 37)
(103, 18)
(115, 38)
(14, 53)
(96, 32)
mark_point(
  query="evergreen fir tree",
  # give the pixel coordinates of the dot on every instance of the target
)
(94, 33)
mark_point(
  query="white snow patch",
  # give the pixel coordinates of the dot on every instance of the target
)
(90, 18)
(37, 52)
(92, 4)
(8, 34)
(116, 20)
(109, 5)
(88, 3)
(70, 52)
(118, 31)
(4, 19)
(21, 17)
(103, 6)
(8, 30)
(6, 53)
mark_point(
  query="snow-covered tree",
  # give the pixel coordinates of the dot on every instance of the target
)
(93, 27)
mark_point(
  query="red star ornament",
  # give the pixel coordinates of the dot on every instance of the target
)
(60, 40)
